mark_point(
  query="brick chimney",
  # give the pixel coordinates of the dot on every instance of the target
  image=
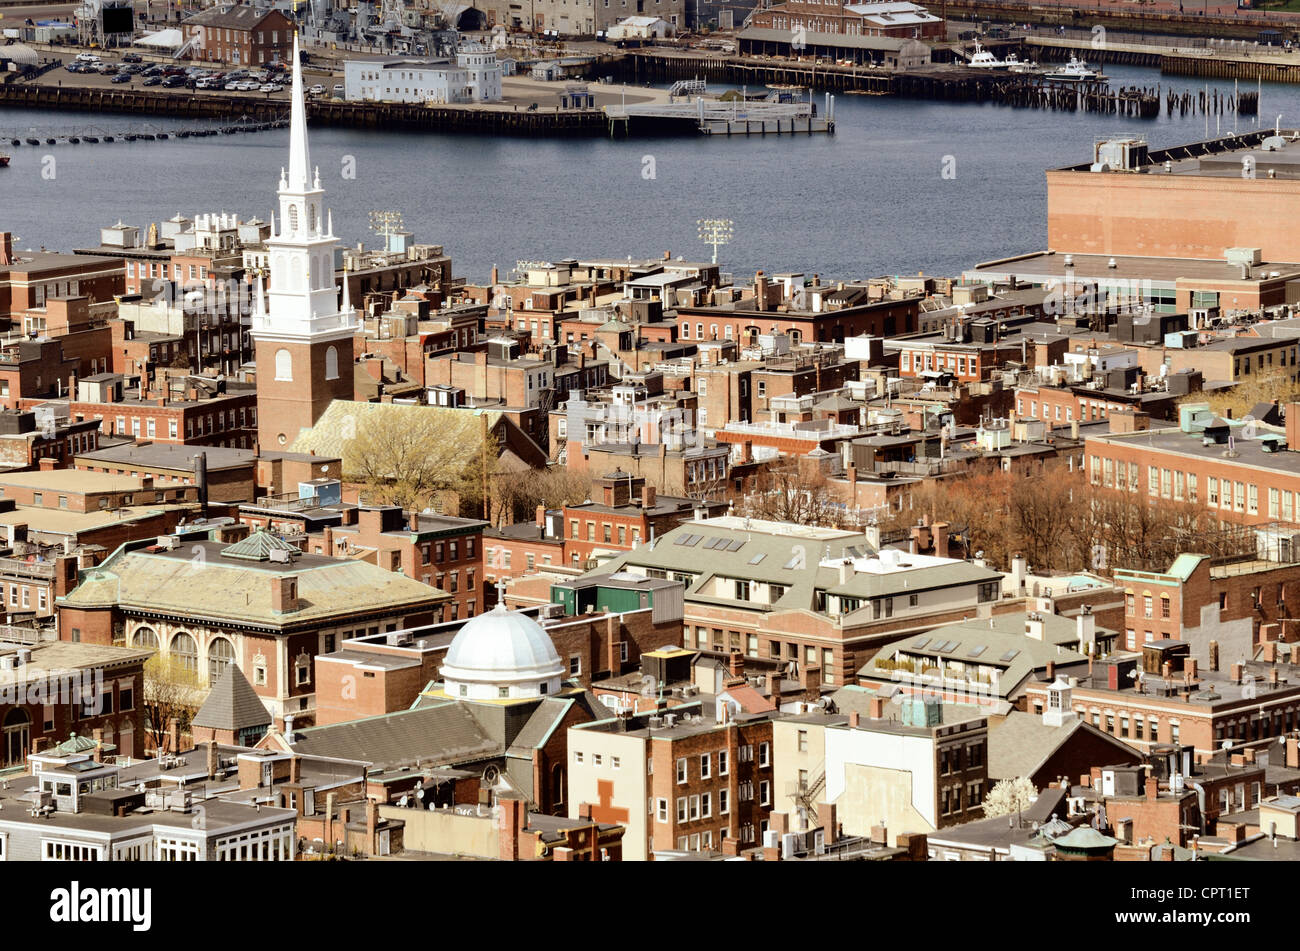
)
(1293, 752)
(647, 496)
(214, 762)
(295, 769)
(372, 823)
(877, 708)
(328, 541)
(826, 818)
(760, 292)
(1152, 788)
(1238, 672)
(541, 517)
(736, 664)
(1214, 656)
(98, 735)
(6, 248)
(854, 719)
(173, 735)
(284, 594)
(584, 811)
(1050, 672)
(772, 681)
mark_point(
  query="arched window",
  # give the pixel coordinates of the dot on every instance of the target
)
(557, 786)
(145, 637)
(221, 654)
(185, 651)
(331, 364)
(283, 365)
(293, 219)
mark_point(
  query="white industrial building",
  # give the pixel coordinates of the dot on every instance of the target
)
(475, 76)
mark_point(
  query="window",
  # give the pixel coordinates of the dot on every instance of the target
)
(765, 793)
(724, 802)
(283, 366)
(661, 810)
(681, 808)
(724, 763)
(185, 651)
(704, 765)
(681, 770)
(803, 741)
(763, 754)
(575, 665)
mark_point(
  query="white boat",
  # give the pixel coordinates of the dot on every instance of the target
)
(983, 59)
(1016, 65)
(1075, 71)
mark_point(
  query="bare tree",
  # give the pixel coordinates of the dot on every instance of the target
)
(171, 691)
(411, 459)
(789, 492)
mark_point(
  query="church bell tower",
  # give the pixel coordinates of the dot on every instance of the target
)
(302, 336)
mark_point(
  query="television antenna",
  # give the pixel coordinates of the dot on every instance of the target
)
(716, 232)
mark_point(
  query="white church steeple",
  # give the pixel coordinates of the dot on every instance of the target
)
(303, 338)
(303, 300)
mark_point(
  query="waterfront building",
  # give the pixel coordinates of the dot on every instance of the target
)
(473, 76)
(892, 18)
(239, 35)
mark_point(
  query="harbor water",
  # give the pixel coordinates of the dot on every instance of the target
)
(902, 185)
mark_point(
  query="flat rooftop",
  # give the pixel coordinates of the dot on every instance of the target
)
(1049, 265)
(1249, 452)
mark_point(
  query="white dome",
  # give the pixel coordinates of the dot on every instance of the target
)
(502, 654)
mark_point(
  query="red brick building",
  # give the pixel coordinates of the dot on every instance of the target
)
(240, 36)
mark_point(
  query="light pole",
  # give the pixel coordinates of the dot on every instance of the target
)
(715, 231)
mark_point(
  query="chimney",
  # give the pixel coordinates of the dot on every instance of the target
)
(1152, 788)
(826, 818)
(760, 292)
(295, 769)
(647, 496)
(372, 823)
(1293, 752)
(1238, 672)
(494, 275)
(284, 594)
(329, 541)
(854, 720)
(6, 248)
(541, 517)
(1050, 673)
(173, 735)
(1214, 653)
(214, 762)
(668, 255)
(736, 664)
(1191, 669)
(98, 735)
(877, 709)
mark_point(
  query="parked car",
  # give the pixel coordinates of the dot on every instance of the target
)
(87, 58)
(338, 91)
(316, 90)
(152, 81)
(171, 82)
(132, 58)
(266, 87)
(121, 78)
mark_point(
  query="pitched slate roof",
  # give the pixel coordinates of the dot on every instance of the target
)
(445, 733)
(232, 704)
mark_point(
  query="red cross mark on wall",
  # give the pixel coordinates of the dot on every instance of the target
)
(605, 812)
